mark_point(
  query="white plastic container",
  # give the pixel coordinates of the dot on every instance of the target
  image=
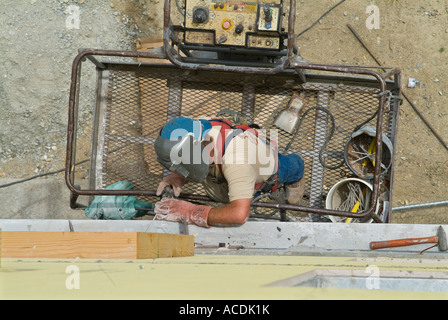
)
(338, 194)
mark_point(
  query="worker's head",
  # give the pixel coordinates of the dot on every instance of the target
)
(179, 148)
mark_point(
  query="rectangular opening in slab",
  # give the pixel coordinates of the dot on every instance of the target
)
(369, 279)
(403, 260)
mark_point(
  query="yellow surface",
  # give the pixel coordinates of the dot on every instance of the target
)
(217, 277)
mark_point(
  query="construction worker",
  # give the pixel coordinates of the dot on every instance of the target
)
(232, 163)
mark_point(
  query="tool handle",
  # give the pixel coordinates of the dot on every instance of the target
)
(402, 242)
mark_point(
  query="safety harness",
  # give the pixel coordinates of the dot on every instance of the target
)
(271, 184)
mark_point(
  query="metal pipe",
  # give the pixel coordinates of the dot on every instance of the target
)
(426, 122)
(421, 206)
(228, 50)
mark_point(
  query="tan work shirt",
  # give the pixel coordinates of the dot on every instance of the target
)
(248, 160)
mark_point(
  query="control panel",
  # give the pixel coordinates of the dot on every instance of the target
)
(248, 24)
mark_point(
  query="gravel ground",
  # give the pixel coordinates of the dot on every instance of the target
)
(38, 42)
(37, 50)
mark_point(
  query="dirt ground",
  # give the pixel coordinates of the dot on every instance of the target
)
(37, 49)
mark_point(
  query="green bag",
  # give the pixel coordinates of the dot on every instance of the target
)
(117, 207)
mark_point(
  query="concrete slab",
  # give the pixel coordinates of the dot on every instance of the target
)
(202, 277)
(258, 236)
(272, 253)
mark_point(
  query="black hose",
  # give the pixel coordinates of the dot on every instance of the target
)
(327, 140)
(321, 17)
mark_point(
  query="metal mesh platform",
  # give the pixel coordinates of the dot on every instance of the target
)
(135, 100)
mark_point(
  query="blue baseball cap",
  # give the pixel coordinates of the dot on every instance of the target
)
(180, 126)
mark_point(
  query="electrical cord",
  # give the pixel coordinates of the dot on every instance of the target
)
(38, 176)
(321, 17)
(329, 137)
(30, 178)
(179, 8)
(327, 140)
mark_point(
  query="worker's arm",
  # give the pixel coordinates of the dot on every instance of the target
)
(232, 214)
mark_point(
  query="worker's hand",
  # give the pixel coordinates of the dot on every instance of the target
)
(174, 181)
(179, 211)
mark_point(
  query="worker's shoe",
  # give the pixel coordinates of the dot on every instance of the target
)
(294, 192)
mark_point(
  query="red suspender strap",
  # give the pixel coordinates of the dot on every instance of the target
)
(225, 125)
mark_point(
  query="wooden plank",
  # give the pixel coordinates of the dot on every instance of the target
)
(95, 245)
(148, 45)
(158, 245)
